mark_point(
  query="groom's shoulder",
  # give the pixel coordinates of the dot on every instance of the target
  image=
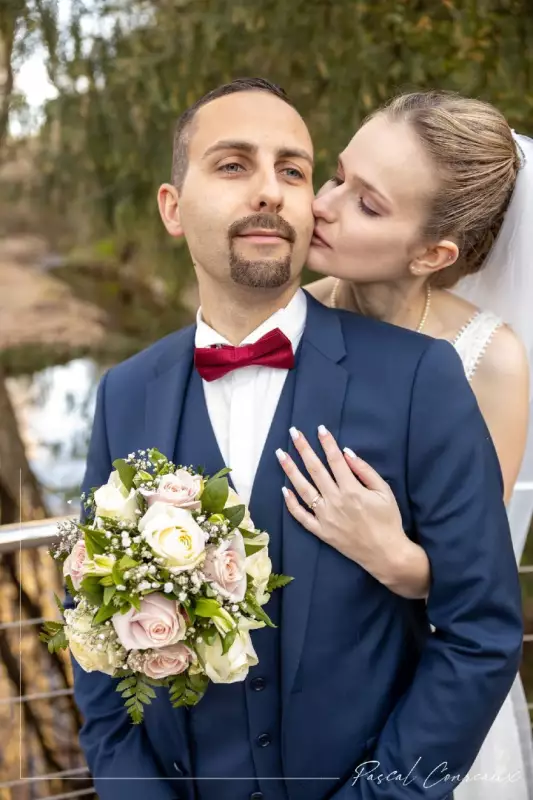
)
(142, 366)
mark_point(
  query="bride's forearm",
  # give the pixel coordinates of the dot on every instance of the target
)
(405, 571)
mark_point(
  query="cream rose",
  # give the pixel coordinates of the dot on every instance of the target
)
(167, 661)
(114, 501)
(73, 566)
(159, 623)
(259, 567)
(181, 490)
(224, 567)
(235, 500)
(173, 534)
(232, 666)
(91, 653)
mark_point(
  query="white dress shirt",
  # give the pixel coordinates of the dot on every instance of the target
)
(242, 404)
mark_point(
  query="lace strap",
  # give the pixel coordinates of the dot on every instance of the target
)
(473, 339)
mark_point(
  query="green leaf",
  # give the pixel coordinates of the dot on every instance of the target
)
(198, 682)
(59, 604)
(107, 581)
(95, 541)
(206, 607)
(250, 549)
(118, 577)
(156, 457)
(277, 581)
(103, 613)
(135, 601)
(215, 495)
(235, 515)
(209, 635)
(228, 640)
(127, 683)
(126, 472)
(220, 474)
(257, 611)
(91, 589)
(53, 634)
(70, 586)
(126, 562)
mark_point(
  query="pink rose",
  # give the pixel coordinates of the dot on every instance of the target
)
(168, 661)
(74, 563)
(181, 490)
(158, 624)
(224, 567)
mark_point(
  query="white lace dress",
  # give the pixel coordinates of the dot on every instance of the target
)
(503, 769)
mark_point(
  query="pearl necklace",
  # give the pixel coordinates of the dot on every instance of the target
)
(423, 320)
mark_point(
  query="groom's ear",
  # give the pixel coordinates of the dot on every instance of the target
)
(168, 201)
(435, 257)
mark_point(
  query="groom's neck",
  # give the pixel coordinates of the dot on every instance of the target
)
(235, 311)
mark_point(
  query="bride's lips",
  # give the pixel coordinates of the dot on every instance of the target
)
(319, 240)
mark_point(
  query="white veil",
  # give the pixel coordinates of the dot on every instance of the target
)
(505, 286)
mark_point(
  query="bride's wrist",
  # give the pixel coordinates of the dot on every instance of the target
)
(404, 570)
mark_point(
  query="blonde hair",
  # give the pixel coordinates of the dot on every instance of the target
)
(477, 161)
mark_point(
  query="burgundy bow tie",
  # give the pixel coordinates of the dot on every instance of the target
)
(272, 350)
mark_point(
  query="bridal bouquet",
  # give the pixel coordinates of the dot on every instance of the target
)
(168, 576)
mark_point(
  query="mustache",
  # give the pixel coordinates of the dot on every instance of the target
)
(268, 222)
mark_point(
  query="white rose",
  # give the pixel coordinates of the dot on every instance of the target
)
(235, 500)
(232, 666)
(114, 501)
(259, 568)
(173, 534)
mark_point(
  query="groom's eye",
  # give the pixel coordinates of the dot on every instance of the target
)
(292, 172)
(231, 168)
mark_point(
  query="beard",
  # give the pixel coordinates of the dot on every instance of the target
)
(264, 273)
(260, 274)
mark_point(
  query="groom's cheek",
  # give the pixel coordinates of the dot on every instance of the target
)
(366, 770)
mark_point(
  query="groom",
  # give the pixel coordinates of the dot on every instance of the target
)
(353, 696)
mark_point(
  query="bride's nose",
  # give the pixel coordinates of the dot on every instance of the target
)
(323, 207)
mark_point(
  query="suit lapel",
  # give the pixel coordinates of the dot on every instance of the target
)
(319, 399)
(165, 393)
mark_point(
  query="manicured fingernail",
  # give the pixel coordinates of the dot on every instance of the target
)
(285, 491)
(281, 454)
(349, 453)
(322, 430)
(294, 433)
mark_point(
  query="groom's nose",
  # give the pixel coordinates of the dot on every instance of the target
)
(268, 193)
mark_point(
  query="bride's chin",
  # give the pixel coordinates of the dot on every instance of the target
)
(316, 262)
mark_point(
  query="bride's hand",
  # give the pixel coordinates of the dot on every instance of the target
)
(355, 512)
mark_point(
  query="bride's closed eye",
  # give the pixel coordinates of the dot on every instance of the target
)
(370, 212)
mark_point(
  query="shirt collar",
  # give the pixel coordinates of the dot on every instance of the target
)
(290, 320)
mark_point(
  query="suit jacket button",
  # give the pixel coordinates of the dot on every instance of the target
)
(263, 740)
(256, 796)
(258, 684)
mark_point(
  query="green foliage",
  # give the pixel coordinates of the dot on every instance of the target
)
(278, 582)
(215, 495)
(137, 693)
(53, 634)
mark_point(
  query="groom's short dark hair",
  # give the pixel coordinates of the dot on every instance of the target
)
(180, 150)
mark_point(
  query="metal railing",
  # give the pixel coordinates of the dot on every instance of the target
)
(42, 533)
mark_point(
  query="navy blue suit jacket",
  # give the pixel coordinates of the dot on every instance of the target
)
(361, 672)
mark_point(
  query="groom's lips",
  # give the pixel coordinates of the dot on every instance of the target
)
(319, 240)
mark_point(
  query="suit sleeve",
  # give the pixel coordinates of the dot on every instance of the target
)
(119, 755)
(468, 665)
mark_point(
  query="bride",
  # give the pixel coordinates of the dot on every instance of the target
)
(426, 225)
